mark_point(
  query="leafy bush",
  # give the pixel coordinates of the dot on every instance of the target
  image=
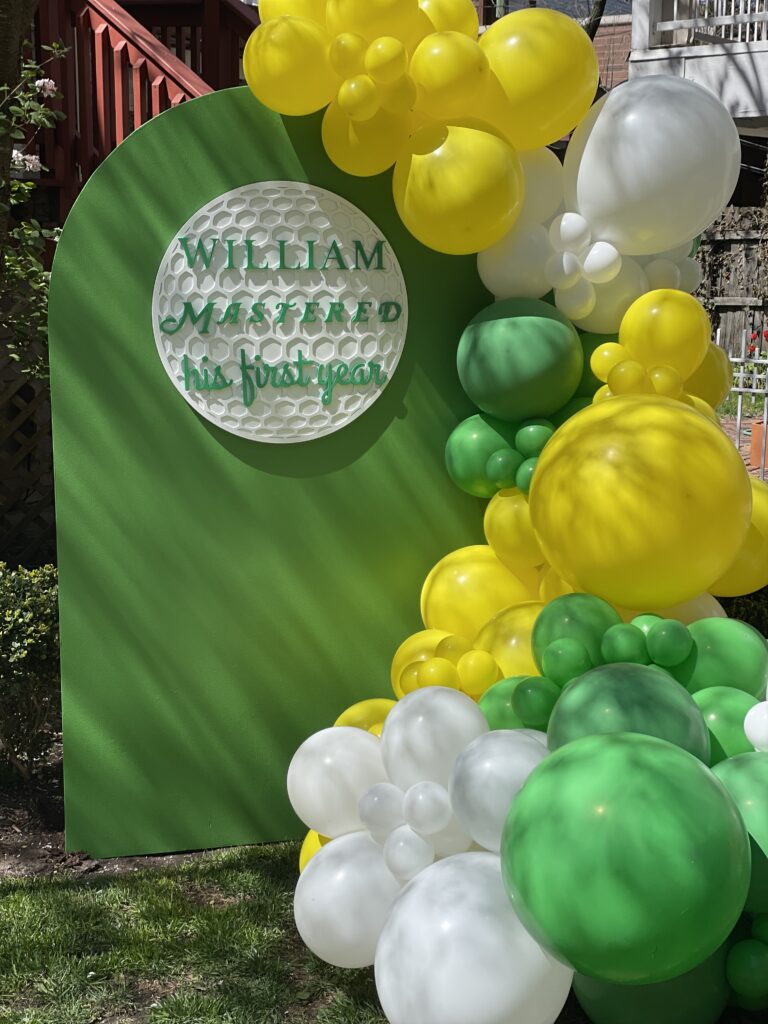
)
(752, 608)
(29, 664)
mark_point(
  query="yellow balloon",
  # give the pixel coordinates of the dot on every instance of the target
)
(552, 585)
(602, 395)
(507, 637)
(458, 189)
(666, 327)
(640, 501)
(605, 357)
(366, 713)
(314, 9)
(701, 406)
(313, 843)
(509, 531)
(703, 606)
(415, 648)
(452, 648)
(400, 97)
(386, 60)
(629, 378)
(364, 148)
(372, 18)
(452, 16)
(359, 98)
(438, 672)
(286, 66)
(749, 570)
(409, 679)
(547, 68)
(466, 588)
(477, 671)
(377, 729)
(451, 72)
(713, 379)
(347, 54)
(666, 381)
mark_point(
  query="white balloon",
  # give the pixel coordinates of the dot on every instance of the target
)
(756, 726)
(690, 274)
(342, 900)
(570, 232)
(577, 301)
(612, 300)
(535, 734)
(514, 267)
(381, 808)
(652, 164)
(451, 840)
(427, 808)
(406, 853)
(486, 778)
(662, 273)
(453, 951)
(563, 269)
(602, 263)
(680, 252)
(543, 186)
(425, 732)
(328, 775)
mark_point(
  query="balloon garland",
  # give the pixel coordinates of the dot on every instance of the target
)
(571, 787)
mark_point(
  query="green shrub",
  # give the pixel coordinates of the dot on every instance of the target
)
(752, 608)
(29, 665)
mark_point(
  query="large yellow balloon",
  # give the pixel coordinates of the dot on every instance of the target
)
(509, 531)
(366, 713)
(547, 69)
(749, 570)
(703, 606)
(713, 379)
(452, 16)
(458, 189)
(641, 501)
(552, 585)
(508, 638)
(364, 148)
(372, 18)
(271, 9)
(451, 72)
(413, 649)
(666, 328)
(466, 588)
(286, 66)
(313, 843)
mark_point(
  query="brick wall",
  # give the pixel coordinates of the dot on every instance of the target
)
(613, 43)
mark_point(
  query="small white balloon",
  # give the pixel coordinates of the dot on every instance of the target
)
(452, 839)
(612, 300)
(427, 807)
(662, 273)
(406, 853)
(486, 779)
(514, 267)
(578, 301)
(328, 775)
(756, 726)
(563, 269)
(543, 186)
(602, 263)
(425, 732)
(342, 900)
(679, 252)
(453, 951)
(690, 273)
(381, 808)
(569, 232)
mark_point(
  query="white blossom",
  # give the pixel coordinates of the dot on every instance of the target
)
(46, 87)
(17, 160)
(32, 163)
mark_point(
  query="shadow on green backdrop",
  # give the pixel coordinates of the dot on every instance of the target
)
(222, 599)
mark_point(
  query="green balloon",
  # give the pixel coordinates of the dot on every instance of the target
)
(557, 419)
(503, 466)
(533, 701)
(496, 704)
(697, 997)
(624, 642)
(724, 710)
(747, 969)
(564, 660)
(669, 643)
(646, 621)
(524, 474)
(519, 358)
(589, 383)
(746, 779)
(629, 698)
(626, 858)
(726, 652)
(532, 436)
(579, 617)
(469, 448)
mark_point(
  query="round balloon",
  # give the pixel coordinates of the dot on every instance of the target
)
(286, 66)
(343, 898)
(496, 704)
(469, 448)
(381, 808)
(755, 726)
(507, 636)
(363, 148)
(713, 379)
(416, 648)
(450, 71)
(641, 501)
(453, 950)
(366, 713)
(626, 835)
(427, 808)
(509, 532)
(543, 187)
(580, 617)
(372, 18)
(746, 779)
(653, 163)
(724, 710)
(613, 299)
(520, 358)
(515, 267)
(451, 15)
(314, 9)
(666, 328)
(749, 570)
(726, 652)
(313, 842)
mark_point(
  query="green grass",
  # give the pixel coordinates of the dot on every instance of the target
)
(212, 940)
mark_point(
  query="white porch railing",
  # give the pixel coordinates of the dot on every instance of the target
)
(750, 387)
(712, 21)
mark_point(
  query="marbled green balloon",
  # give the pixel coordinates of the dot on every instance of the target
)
(726, 652)
(496, 704)
(469, 448)
(581, 617)
(724, 710)
(746, 779)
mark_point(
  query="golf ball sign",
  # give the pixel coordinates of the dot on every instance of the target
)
(280, 312)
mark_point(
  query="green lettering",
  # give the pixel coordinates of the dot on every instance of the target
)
(301, 363)
(172, 324)
(248, 389)
(311, 255)
(360, 374)
(361, 313)
(287, 379)
(283, 307)
(231, 314)
(336, 312)
(262, 373)
(191, 376)
(282, 265)
(377, 374)
(308, 316)
(249, 264)
(387, 308)
(230, 264)
(334, 252)
(200, 252)
(257, 313)
(377, 253)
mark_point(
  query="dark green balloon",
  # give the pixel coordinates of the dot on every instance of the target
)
(469, 448)
(589, 383)
(579, 617)
(697, 997)
(669, 643)
(624, 642)
(557, 419)
(626, 858)
(524, 475)
(624, 698)
(496, 704)
(503, 466)
(533, 701)
(646, 621)
(747, 969)
(520, 358)
(746, 779)
(724, 710)
(726, 652)
(564, 660)
(532, 436)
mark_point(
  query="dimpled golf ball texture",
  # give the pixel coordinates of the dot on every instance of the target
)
(267, 212)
